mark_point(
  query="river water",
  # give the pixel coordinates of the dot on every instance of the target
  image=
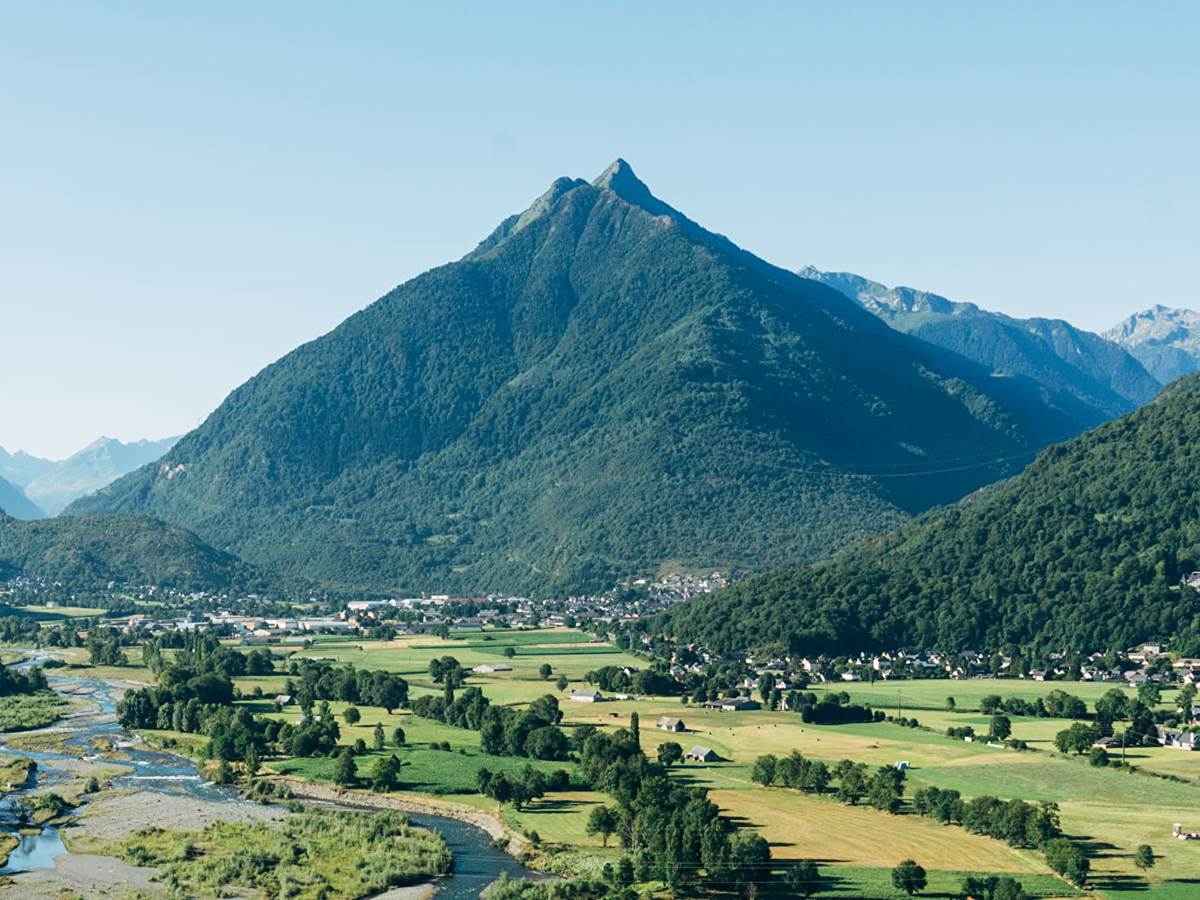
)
(477, 862)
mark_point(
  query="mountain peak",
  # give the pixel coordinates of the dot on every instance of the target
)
(619, 179)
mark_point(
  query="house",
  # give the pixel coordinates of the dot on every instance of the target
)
(701, 754)
(734, 704)
(1178, 740)
(587, 696)
(282, 699)
(488, 668)
(1106, 743)
(666, 723)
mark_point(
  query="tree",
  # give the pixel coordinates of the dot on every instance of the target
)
(669, 753)
(510, 652)
(763, 770)
(1098, 756)
(1001, 727)
(223, 775)
(562, 682)
(749, 860)
(602, 821)
(852, 784)
(345, 772)
(251, 760)
(909, 877)
(1144, 857)
(351, 715)
(803, 879)
(635, 730)
(545, 671)
(398, 736)
(385, 773)
(1076, 739)
(377, 736)
(1150, 695)
(1067, 859)
(951, 704)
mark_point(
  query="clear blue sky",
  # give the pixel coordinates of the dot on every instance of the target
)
(189, 191)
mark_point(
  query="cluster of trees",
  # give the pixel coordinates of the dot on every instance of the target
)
(882, 789)
(519, 789)
(835, 709)
(1021, 824)
(674, 832)
(24, 629)
(447, 670)
(656, 680)
(104, 648)
(1018, 823)
(532, 731)
(1055, 705)
(319, 680)
(14, 681)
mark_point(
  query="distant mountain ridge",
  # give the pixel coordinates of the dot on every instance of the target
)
(600, 387)
(14, 502)
(51, 485)
(1082, 551)
(1066, 360)
(1166, 340)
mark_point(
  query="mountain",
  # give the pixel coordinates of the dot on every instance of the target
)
(52, 485)
(1084, 550)
(93, 551)
(601, 387)
(20, 468)
(1167, 341)
(1065, 360)
(14, 502)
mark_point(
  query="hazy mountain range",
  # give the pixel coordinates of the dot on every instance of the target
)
(49, 485)
(601, 387)
(1067, 361)
(1166, 340)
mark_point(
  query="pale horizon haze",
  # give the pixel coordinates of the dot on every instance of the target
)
(192, 191)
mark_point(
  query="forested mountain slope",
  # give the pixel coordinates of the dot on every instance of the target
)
(602, 386)
(92, 551)
(1066, 360)
(1083, 550)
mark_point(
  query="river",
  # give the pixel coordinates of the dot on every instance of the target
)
(477, 862)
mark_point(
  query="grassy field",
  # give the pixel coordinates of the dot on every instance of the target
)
(56, 613)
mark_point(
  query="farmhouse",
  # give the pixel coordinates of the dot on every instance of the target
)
(587, 696)
(734, 704)
(702, 754)
(1179, 740)
(488, 668)
(666, 723)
